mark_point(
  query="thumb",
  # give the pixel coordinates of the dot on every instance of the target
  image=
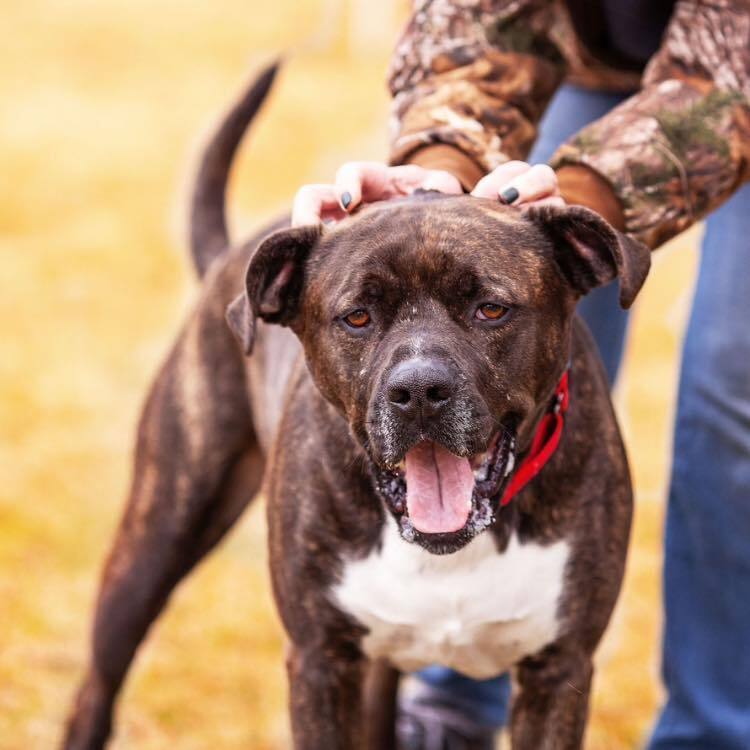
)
(443, 182)
(356, 177)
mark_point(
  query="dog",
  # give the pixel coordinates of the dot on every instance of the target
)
(445, 478)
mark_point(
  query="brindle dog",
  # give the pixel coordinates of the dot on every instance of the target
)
(401, 363)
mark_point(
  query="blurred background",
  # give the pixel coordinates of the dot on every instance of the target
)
(101, 108)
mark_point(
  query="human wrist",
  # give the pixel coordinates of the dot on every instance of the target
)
(582, 186)
(449, 159)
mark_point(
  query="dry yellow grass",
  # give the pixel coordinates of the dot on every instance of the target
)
(99, 107)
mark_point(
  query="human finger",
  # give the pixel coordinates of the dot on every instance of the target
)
(535, 184)
(489, 185)
(315, 203)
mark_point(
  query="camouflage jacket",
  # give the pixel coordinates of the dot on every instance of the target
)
(478, 74)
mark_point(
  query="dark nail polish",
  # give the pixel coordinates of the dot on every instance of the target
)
(509, 195)
(346, 199)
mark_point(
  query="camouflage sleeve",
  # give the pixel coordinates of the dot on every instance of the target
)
(681, 146)
(476, 74)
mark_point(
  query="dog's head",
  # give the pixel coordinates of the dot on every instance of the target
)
(439, 327)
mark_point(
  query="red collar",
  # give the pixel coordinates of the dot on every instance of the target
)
(545, 442)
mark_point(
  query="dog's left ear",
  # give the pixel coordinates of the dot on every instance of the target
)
(590, 252)
(273, 282)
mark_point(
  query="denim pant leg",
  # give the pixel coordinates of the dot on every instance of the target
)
(706, 650)
(570, 110)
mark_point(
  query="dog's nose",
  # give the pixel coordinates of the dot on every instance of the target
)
(420, 386)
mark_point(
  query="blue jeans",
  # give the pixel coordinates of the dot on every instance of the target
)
(706, 649)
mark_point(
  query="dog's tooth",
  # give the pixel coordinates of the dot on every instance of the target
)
(479, 460)
(408, 532)
(511, 463)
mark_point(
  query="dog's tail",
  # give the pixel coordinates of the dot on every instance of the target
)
(208, 225)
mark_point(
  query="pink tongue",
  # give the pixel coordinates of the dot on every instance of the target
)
(438, 489)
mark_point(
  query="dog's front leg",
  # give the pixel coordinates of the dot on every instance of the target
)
(325, 695)
(551, 704)
(380, 709)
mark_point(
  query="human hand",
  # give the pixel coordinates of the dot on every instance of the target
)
(514, 183)
(520, 184)
(361, 182)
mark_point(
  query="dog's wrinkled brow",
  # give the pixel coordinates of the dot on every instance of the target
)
(358, 289)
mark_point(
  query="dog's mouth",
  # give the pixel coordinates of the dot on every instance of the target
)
(442, 500)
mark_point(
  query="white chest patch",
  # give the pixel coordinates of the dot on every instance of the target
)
(476, 611)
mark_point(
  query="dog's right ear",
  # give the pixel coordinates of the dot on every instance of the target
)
(273, 282)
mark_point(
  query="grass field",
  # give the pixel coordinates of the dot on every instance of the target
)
(100, 108)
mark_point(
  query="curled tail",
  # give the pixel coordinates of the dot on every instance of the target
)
(208, 226)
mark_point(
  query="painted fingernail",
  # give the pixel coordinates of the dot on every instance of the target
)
(509, 195)
(346, 199)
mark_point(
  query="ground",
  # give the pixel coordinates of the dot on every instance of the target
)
(100, 108)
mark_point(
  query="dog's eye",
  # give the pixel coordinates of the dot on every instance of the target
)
(357, 319)
(488, 311)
